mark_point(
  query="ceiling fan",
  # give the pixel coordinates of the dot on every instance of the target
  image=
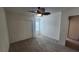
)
(40, 11)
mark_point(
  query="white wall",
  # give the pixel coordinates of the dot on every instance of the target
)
(4, 40)
(20, 26)
(50, 25)
(65, 22)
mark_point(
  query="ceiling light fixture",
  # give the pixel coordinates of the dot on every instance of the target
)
(39, 15)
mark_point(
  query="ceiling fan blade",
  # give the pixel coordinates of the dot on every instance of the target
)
(46, 13)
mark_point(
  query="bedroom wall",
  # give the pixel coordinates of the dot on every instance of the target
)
(4, 39)
(20, 26)
(50, 25)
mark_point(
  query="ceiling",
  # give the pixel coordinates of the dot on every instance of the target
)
(25, 9)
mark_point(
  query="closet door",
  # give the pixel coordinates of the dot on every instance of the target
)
(74, 28)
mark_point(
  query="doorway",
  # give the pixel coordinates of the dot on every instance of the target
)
(73, 32)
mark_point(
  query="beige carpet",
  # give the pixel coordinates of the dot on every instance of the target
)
(38, 45)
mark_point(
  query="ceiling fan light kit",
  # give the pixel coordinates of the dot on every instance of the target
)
(39, 14)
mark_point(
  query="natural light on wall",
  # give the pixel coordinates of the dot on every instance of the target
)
(37, 23)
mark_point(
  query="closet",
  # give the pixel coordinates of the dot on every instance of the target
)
(73, 32)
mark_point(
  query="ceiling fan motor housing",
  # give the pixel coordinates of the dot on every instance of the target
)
(40, 10)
